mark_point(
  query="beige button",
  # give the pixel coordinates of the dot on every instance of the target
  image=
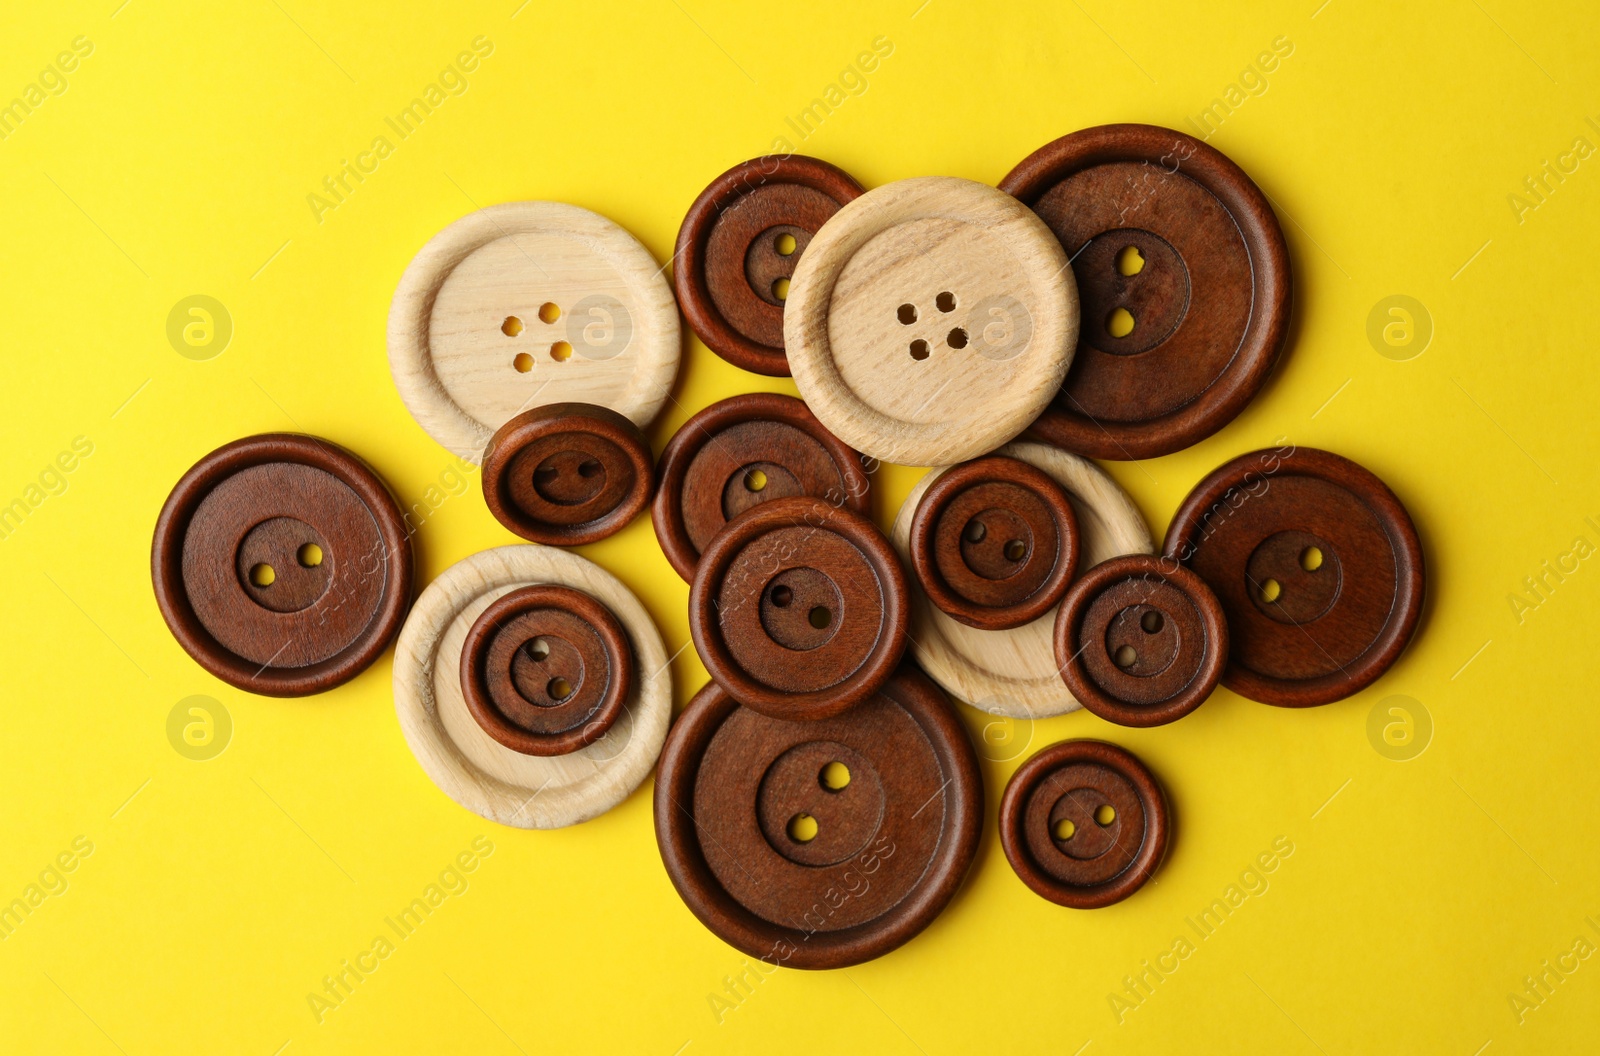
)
(527, 304)
(931, 320)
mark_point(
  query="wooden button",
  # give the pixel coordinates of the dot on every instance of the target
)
(930, 321)
(474, 768)
(282, 564)
(819, 844)
(1084, 824)
(994, 543)
(739, 453)
(545, 670)
(568, 473)
(1141, 641)
(799, 608)
(1184, 279)
(1318, 568)
(527, 304)
(739, 245)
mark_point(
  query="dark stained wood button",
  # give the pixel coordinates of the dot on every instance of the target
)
(1183, 276)
(545, 670)
(819, 844)
(739, 245)
(994, 542)
(739, 453)
(1141, 641)
(1084, 824)
(1318, 568)
(567, 473)
(282, 564)
(799, 608)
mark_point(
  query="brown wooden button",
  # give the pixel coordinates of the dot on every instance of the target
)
(281, 563)
(799, 608)
(739, 245)
(994, 543)
(567, 473)
(1183, 276)
(819, 844)
(739, 453)
(1140, 640)
(1083, 823)
(1318, 568)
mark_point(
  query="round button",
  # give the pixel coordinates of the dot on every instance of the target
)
(819, 844)
(1084, 824)
(527, 304)
(799, 608)
(545, 670)
(739, 453)
(1184, 279)
(930, 321)
(738, 248)
(1318, 568)
(282, 564)
(1141, 641)
(994, 543)
(568, 473)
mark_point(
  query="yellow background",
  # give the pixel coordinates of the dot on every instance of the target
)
(178, 161)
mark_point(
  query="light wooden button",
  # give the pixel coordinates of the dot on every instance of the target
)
(526, 304)
(470, 766)
(931, 320)
(1014, 672)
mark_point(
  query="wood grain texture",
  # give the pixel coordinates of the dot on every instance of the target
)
(454, 351)
(930, 321)
(468, 765)
(1013, 672)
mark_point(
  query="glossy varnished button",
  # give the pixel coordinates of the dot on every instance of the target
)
(994, 542)
(1318, 568)
(741, 452)
(1141, 641)
(739, 245)
(1183, 276)
(567, 473)
(282, 564)
(819, 844)
(930, 321)
(1084, 824)
(527, 304)
(798, 608)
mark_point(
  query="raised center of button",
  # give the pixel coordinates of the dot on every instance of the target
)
(772, 256)
(1083, 823)
(284, 564)
(1134, 290)
(547, 671)
(1294, 577)
(755, 483)
(1142, 641)
(801, 608)
(820, 803)
(569, 478)
(996, 543)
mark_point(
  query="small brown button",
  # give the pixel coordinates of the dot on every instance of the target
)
(545, 670)
(567, 473)
(739, 453)
(1083, 823)
(1317, 566)
(739, 245)
(994, 542)
(1141, 641)
(1183, 275)
(799, 608)
(281, 563)
(819, 844)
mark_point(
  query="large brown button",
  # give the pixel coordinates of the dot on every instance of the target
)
(739, 245)
(1318, 568)
(545, 670)
(1140, 640)
(744, 451)
(281, 563)
(567, 473)
(1183, 276)
(994, 542)
(819, 844)
(1083, 823)
(799, 608)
